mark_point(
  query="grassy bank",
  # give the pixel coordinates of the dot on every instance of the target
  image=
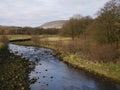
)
(15, 37)
(5, 39)
(108, 70)
(13, 70)
(3, 50)
(14, 73)
(1, 45)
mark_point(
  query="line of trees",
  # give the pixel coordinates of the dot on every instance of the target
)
(105, 28)
(27, 31)
(76, 27)
(108, 22)
(98, 37)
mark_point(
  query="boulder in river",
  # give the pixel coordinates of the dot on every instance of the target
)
(43, 76)
(33, 80)
(46, 70)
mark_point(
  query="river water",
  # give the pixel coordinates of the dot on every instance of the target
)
(53, 74)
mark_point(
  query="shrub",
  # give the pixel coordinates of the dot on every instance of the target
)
(105, 53)
(36, 39)
(4, 40)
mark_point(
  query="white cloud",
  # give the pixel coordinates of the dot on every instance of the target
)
(36, 12)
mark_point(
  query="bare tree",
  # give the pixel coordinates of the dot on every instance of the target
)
(76, 26)
(108, 17)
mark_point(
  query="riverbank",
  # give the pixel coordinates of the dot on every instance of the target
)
(110, 71)
(13, 71)
(3, 50)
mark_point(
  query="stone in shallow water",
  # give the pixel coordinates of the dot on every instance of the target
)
(40, 63)
(43, 76)
(46, 70)
(33, 80)
(47, 84)
(51, 77)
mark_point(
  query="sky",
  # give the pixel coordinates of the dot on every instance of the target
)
(37, 12)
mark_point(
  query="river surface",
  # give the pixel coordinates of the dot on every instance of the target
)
(53, 74)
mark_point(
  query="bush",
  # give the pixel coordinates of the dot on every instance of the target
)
(105, 53)
(4, 40)
(36, 40)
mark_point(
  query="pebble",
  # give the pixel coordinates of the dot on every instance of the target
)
(40, 64)
(43, 76)
(51, 77)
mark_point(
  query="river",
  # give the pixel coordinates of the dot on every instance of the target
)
(53, 74)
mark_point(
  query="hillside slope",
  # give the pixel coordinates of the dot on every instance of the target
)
(54, 24)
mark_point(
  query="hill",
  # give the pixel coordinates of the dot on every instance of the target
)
(54, 24)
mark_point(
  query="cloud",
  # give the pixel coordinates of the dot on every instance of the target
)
(37, 12)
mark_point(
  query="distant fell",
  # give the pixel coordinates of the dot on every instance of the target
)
(54, 24)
